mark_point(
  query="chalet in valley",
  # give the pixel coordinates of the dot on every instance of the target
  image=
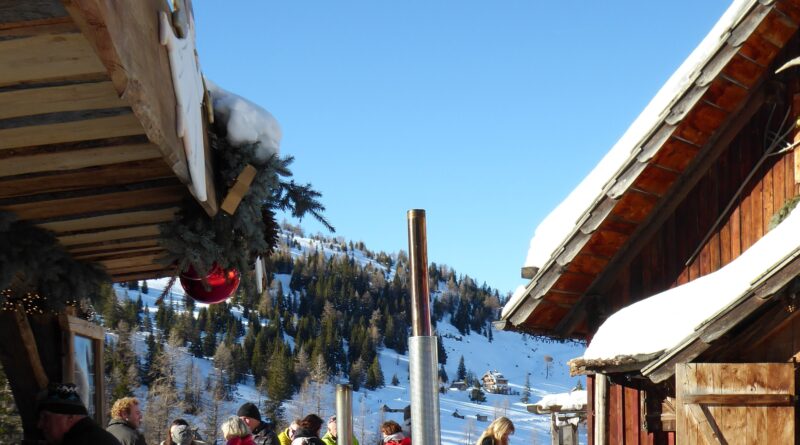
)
(494, 382)
(677, 258)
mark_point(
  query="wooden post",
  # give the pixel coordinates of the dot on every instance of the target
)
(601, 409)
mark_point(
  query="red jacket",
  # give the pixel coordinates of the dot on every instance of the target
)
(397, 439)
(246, 440)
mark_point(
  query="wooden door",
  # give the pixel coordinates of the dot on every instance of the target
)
(727, 403)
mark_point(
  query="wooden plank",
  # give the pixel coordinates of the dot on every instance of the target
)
(31, 350)
(88, 178)
(631, 416)
(616, 430)
(55, 99)
(127, 253)
(655, 180)
(48, 57)
(143, 260)
(107, 235)
(675, 155)
(60, 160)
(29, 10)
(725, 94)
(101, 128)
(150, 275)
(115, 201)
(152, 267)
(125, 38)
(238, 190)
(137, 217)
(741, 399)
(113, 247)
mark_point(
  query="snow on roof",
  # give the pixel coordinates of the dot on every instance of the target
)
(246, 122)
(557, 227)
(568, 401)
(664, 320)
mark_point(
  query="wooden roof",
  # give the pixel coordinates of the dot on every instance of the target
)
(723, 94)
(88, 142)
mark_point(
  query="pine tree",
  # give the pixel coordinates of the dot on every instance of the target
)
(441, 353)
(10, 421)
(526, 390)
(395, 380)
(279, 377)
(145, 289)
(461, 372)
(357, 374)
(374, 375)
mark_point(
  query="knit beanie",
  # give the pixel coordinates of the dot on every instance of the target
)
(249, 410)
(62, 398)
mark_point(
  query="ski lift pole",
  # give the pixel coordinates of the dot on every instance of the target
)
(422, 345)
(344, 415)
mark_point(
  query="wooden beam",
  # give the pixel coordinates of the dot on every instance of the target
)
(127, 253)
(56, 99)
(125, 38)
(114, 201)
(112, 246)
(137, 217)
(88, 178)
(31, 350)
(12, 11)
(39, 162)
(107, 235)
(238, 190)
(47, 57)
(151, 275)
(706, 425)
(147, 260)
(81, 130)
(749, 399)
(138, 268)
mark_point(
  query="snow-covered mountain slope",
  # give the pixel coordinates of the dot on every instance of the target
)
(513, 354)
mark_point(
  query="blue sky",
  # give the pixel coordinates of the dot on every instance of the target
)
(484, 113)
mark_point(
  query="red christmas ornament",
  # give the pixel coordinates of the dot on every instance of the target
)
(222, 284)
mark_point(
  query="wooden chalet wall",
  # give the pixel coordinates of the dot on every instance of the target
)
(661, 263)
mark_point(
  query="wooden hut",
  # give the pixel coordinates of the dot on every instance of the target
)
(656, 250)
(90, 149)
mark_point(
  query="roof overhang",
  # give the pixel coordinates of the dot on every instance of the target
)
(720, 93)
(89, 147)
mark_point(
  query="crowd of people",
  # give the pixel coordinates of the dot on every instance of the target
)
(64, 420)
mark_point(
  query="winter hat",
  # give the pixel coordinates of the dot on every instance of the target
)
(62, 398)
(181, 434)
(249, 410)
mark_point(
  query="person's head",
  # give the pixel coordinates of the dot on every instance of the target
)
(234, 426)
(499, 429)
(390, 427)
(311, 422)
(179, 433)
(249, 413)
(332, 425)
(59, 410)
(293, 427)
(127, 409)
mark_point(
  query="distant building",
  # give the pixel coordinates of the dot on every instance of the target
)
(495, 383)
(459, 385)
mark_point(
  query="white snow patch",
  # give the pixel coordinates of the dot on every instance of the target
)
(573, 400)
(246, 122)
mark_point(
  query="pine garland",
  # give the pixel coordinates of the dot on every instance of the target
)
(193, 238)
(37, 272)
(783, 212)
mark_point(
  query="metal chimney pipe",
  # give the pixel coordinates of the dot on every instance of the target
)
(344, 415)
(422, 347)
(418, 259)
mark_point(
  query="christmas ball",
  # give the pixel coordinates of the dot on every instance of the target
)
(221, 284)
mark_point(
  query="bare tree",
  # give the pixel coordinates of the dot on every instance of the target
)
(548, 365)
(213, 410)
(163, 403)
